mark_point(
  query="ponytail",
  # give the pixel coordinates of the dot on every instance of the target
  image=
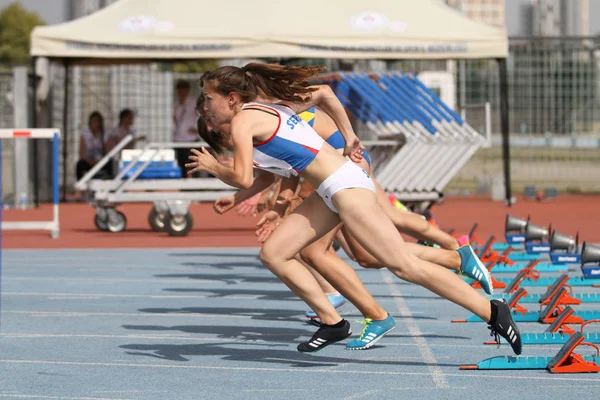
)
(287, 83)
(282, 82)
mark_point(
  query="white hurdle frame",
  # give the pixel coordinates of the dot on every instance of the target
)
(54, 134)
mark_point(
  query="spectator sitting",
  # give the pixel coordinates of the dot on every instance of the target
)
(92, 147)
(126, 118)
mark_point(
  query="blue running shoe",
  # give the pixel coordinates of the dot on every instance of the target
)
(472, 267)
(336, 300)
(372, 332)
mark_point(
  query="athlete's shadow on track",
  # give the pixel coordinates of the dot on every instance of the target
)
(261, 294)
(278, 357)
(226, 265)
(238, 332)
(252, 256)
(265, 334)
(230, 279)
(277, 294)
(233, 279)
(254, 313)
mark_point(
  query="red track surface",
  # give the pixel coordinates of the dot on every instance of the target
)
(568, 214)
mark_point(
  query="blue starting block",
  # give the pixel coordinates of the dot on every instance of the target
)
(547, 281)
(542, 267)
(553, 310)
(557, 333)
(565, 361)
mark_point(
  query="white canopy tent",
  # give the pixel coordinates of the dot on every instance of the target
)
(141, 30)
(353, 29)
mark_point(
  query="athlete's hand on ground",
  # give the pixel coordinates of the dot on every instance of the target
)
(248, 206)
(224, 204)
(202, 161)
(354, 149)
(267, 224)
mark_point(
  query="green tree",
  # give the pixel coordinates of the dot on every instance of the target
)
(195, 66)
(16, 25)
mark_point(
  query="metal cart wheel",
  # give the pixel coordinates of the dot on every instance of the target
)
(101, 219)
(156, 220)
(178, 225)
(116, 221)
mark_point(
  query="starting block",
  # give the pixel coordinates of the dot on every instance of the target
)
(573, 281)
(546, 315)
(513, 241)
(512, 285)
(557, 333)
(505, 263)
(565, 361)
(569, 298)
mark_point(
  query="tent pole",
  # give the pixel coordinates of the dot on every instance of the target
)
(33, 108)
(65, 127)
(505, 128)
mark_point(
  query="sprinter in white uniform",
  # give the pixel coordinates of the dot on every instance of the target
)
(345, 192)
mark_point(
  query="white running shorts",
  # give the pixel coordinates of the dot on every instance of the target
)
(348, 176)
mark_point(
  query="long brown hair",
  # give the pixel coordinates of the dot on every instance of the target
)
(212, 138)
(286, 83)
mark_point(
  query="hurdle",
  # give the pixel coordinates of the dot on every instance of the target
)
(53, 134)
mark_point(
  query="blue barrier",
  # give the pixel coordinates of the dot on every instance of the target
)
(438, 142)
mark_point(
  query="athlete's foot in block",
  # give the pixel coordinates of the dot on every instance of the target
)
(336, 300)
(372, 332)
(472, 267)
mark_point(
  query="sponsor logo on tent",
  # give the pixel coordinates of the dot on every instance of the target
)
(373, 21)
(142, 23)
(369, 21)
(137, 23)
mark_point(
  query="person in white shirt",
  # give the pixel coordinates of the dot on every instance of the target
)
(185, 123)
(92, 147)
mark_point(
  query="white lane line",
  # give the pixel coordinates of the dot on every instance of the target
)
(318, 371)
(417, 336)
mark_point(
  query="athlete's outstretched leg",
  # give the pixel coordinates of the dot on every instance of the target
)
(368, 223)
(413, 224)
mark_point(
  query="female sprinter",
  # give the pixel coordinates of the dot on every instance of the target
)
(320, 254)
(462, 260)
(378, 321)
(278, 140)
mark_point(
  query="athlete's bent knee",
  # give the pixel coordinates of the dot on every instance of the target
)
(366, 260)
(406, 267)
(270, 257)
(370, 264)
